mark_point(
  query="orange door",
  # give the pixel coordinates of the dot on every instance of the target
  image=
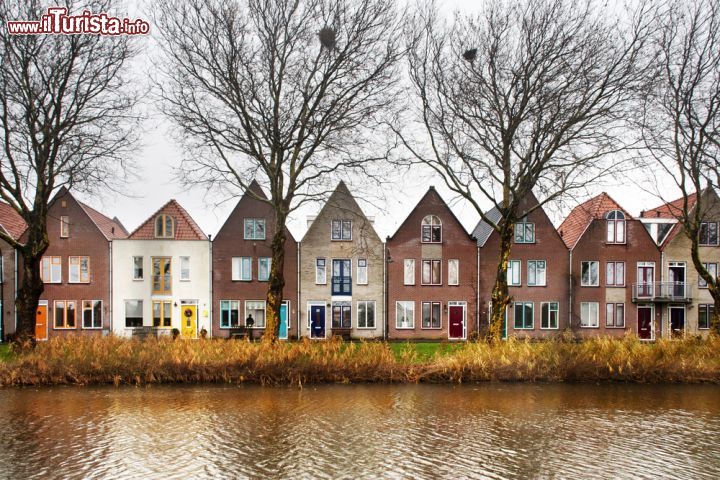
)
(41, 331)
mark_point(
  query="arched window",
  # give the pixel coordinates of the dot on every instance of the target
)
(615, 226)
(431, 229)
(164, 226)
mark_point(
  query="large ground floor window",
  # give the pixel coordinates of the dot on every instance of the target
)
(255, 310)
(92, 314)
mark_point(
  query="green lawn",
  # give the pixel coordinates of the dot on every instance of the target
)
(424, 351)
(5, 353)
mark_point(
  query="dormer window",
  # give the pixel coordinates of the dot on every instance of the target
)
(431, 229)
(615, 226)
(164, 226)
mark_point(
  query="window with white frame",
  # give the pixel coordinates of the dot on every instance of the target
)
(264, 265)
(184, 269)
(366, 314)
(320, 272)
(524, 315)
(51, 269)
(342, 230)
(590, 274)
(709, 233)
(453, 271)
(404, 314)
(133, 313)
(91, 314)
(229, 313)
(79, 270)
(524, 231)
(712, 269)
(431, 272)
(550, 312)
(589, 314)
(615, 315)
(431, 229)
(705, 314)
(431, 314)
(615, 274)
(254, 229)
(242, 268)
(537, 276)
(64, 226)
(138, 272)
(362, 271)
(256, 309)
(409, 274)
(514, 277)
(615, 226)
(341, 315)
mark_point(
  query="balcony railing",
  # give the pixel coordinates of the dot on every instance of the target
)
(162, 284)
(662, 292)
(341, 285)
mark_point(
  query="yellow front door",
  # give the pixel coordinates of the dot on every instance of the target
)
(189, 321)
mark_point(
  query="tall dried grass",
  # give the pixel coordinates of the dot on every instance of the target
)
(112, 360)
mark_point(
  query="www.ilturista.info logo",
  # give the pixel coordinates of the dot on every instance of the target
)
(57, 21)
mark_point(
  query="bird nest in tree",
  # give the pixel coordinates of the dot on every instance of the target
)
(328, 38)
(470, 54)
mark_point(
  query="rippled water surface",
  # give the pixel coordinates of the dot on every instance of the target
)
(417, 431)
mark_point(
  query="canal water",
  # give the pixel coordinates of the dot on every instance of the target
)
(362, 431)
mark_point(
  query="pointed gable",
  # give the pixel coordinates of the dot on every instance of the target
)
(341, 199)
(581, 216)
(431, 197)
(670, 209)
(112, 228)
(11, 221)
(185, 227)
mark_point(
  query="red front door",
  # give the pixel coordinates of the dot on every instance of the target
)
(645, 322)
(457, 322)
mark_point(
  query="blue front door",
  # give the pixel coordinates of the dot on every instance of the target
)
(283, 321)
(317, 321)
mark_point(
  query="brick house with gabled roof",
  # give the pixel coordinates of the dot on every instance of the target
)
(76, 269)
(689, 306)
(241, 262)
(614, 273)
(14, 225)
(538, 273)
(432, 275)
(161, 276)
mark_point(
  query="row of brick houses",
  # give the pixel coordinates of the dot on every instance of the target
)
(602, 272)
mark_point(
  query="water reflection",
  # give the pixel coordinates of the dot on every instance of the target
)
(488, 431)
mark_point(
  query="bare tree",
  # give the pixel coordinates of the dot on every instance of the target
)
(681, 121)
(288, 92)
(66, 120)
(525, 96)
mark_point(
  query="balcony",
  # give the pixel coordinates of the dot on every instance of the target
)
(342, 285)
(162, 284)
(665, 292)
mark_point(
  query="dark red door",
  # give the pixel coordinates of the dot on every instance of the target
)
(456, 322)
(644, 322)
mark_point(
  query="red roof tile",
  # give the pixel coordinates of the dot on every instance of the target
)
(110, 227)
(11, 221)
(670, 209)
(185, 226)
(575, 224)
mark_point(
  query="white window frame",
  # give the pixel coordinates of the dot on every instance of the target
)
(64, 226)
(408, 307)
(54, 267)
(92, 313)
(712, 268)
(267, 260)
(184, 269)
(614, 265)
(77, 269)
(253, 223)
(239, 269)
(582, 276)
(360, 317)
(431, 222)
(362, 271)
(550, 310)
(514, 273)
(589, 306)
(409, 271)
(535, 282)
(256, 325)
(615, 225)
(321, 272)
(456, 279)
(422, 315)
(614, 306)
(432, 262)
(717, 234)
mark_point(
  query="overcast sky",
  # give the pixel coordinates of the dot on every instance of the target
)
(158, 157)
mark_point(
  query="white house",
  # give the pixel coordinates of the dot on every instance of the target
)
(161, 276)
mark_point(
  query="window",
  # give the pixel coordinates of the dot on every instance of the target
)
(65, 312)
(453, 271)
(431, 229)
(712, 269)
(409, 271)
(256, 309)
(524, 231)
(320, 272)
(615, 226)
(366, 314)
(162, 314)
(138, 268)
(615, 274)
(51, 269)
(64, 226)
(513, 273)
(431, 315)
(161, 275)
(184, 269)
(264, 264)
(341, 317)
(242, 268)
(133, 313)
(550, 311)
(342, 229)
(705, 314)
(589, 314)
(362, 271)
(92, 314)
(590, 274)
(615, 315)
(708, 233)
(341, 277)
(431, 272)
(536, 273)
(254, 229)
(164, 226)
(79, 270)
(405, 315)
(229, 313)
(524, 315)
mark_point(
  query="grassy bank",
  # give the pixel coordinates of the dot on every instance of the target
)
(117, 361)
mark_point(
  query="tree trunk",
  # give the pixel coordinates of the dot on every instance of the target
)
(277, 281)
(32, 285)
(712, 283)
(500, 294)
